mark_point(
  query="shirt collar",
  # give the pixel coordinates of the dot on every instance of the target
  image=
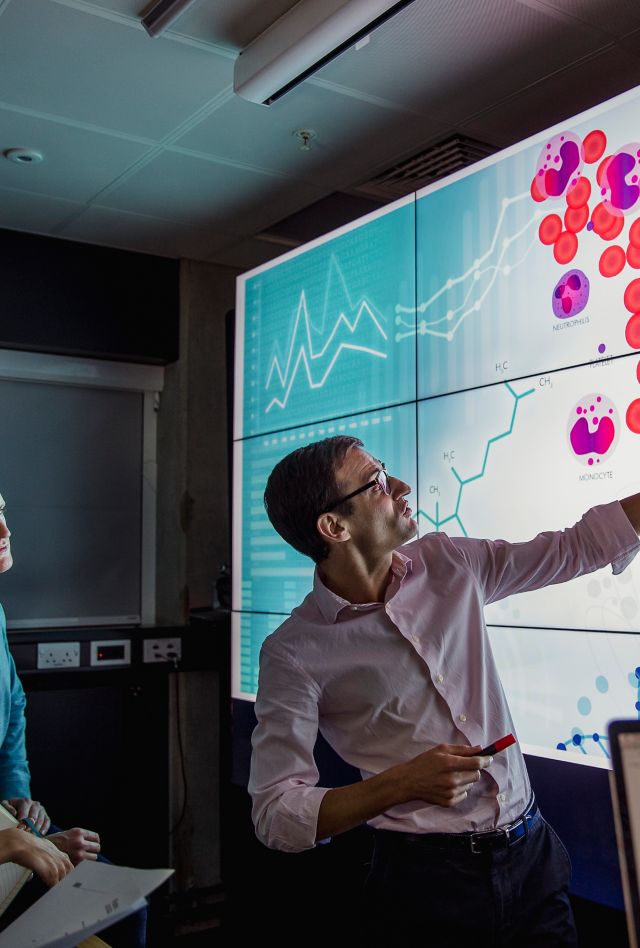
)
(331, 605)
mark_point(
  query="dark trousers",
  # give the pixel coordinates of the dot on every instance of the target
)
(517, 896)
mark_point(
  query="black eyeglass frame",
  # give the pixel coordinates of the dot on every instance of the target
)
(383, 483)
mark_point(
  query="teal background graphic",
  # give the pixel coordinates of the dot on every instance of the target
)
(319, 328)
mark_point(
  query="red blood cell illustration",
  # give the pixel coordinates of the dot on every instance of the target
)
(606, 224)
(634, 233)
(632, 331)
(594, 145)
(633, 416)
(565, 247)
(638, 371)
(612, 261)
(576, 217)
(612, 232)
(602, 168)
(550, 229)
(601, 218)
(632, 296)
(633, 256)
(536, 194)
(579, 195)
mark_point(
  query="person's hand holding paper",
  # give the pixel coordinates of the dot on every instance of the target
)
(31, 852)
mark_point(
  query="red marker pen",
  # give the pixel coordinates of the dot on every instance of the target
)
(492, 749)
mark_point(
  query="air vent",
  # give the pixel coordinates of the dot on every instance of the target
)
(428, 166)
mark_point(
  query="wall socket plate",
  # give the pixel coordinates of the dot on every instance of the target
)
(162, 650)
(58, 655)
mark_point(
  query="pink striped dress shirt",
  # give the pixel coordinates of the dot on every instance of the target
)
(384, 682)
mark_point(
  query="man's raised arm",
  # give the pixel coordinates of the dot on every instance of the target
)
(631, 506)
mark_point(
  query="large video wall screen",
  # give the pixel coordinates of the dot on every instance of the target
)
(481, 337)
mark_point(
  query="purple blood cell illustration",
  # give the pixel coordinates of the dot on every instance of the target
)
(620, 186)
(559, 165)
(593, 429)
(570, 294)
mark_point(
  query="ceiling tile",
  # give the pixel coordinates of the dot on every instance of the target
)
(230, 24)
(558, 98)
(353, 136)
(630, 44)
(614, 17)
(132, 8)
(214, 21)
(78, 163)
(204, 193)
(101, 225)
(450, 58)
(21, 210)
(61, 60)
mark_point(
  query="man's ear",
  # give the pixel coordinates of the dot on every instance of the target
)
(332, 528)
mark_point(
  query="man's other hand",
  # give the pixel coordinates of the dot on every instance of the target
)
(445, 774)
(78, 843)
(25, 806)
(39, 855)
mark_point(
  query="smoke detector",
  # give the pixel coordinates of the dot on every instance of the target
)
(23, 156)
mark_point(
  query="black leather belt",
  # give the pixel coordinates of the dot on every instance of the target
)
(475, 843)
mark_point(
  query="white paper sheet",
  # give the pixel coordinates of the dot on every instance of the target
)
(91, 898)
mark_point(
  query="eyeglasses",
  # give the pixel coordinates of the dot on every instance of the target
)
(381, 480)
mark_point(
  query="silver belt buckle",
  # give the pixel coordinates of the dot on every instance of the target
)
(474, 841)
(514, 826)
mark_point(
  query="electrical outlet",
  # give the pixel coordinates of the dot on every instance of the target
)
(162, 650)
(58, 655)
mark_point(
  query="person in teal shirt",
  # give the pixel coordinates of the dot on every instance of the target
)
(14, 768)
(15, 780)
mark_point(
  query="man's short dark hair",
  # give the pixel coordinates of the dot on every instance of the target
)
(300, 488)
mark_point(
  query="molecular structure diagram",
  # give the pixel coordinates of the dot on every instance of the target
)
(578, 739)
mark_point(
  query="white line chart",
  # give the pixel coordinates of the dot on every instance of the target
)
(302, 354)
(474, 273)
(313, 356)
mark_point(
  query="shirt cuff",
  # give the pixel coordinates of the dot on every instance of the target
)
(295, 821)
(612, 531)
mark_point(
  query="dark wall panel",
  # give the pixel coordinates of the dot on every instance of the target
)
(77, 299)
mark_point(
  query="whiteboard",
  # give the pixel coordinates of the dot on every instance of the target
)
(71, 475)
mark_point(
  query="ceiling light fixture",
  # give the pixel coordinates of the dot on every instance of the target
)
(303, 40)
(163, 13)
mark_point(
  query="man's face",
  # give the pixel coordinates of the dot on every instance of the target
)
(380, 522)
(6, 560)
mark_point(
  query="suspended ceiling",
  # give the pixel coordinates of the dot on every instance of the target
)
(146, 147)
